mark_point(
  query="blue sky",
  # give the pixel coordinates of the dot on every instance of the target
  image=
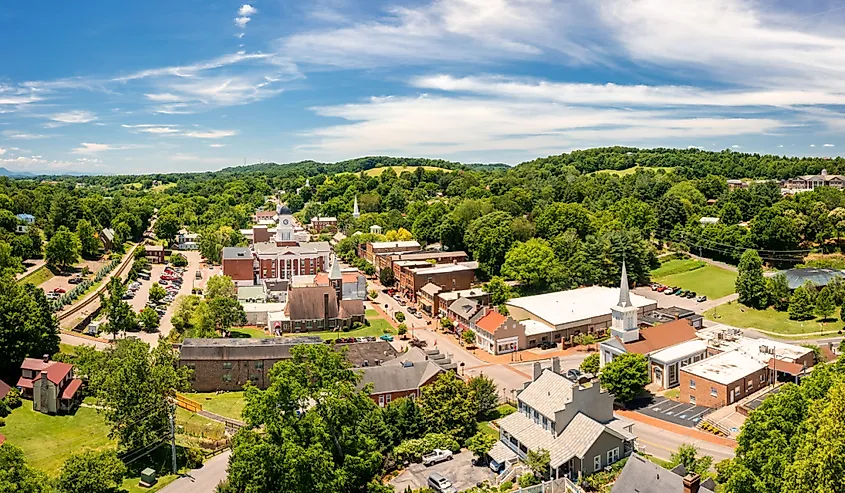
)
(190, 85)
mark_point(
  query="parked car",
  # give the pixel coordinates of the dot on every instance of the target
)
(60, 290)
(418, 314)
(573, 374)
(53, 296)
(681, 293)
(437, 456)
(701, 299)
(440, 484)
(162, 282)
(661, 288)
(691, 294)
(668, 291)
(411, 309)
(547, 345)
(386, 337)
(75, 280)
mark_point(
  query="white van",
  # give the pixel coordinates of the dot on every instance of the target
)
(440, 484)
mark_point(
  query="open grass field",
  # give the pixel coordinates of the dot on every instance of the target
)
(378, 327)
(195, 425)
(399, 169)
(228, 404)
(711, 281)
(769, 320)
(38, 276)
(47, 441)
(633, 170)
(162, 187)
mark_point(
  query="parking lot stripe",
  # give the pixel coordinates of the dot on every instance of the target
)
(699, 414)
(673, 407)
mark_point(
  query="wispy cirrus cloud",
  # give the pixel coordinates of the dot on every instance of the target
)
(95, 148)
(76, 116)
(180, 131)
(11, 134)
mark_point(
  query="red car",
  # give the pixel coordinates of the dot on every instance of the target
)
(60, 290)
(660, 289)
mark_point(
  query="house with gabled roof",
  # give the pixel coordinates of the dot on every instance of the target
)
(49, 384)
(574, 422)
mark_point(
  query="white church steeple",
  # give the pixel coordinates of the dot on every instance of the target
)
(355, 213)
(624, 314)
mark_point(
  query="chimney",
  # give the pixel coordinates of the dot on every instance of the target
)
(691, 483)
(46, 358)
(538, 370)
(44, 375)
(556, 365)
(326, 308)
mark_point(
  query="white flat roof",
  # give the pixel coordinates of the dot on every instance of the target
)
(533, 327)
(276, 317)
(725, 368)
(263, 307)
(395, 244)
(442, 268)
(680, 351)
(565, 307)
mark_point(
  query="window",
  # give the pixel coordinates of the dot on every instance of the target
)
(691, 383)
(381, 400)
(227, 365)
(596, 463)
(762, 377)
(308, 324)
(613, 455)
(388, 398)
(227, 377)
(692, 399)
(259, 365)
(714, 392)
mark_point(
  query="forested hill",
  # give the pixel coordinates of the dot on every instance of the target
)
(693, 163)
(352, 166)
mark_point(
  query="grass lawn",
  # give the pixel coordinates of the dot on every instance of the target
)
(198, 426)
(399, 169)
(250, 332)
(711, 281)
(677, 266)
(500, 412)
(38, 276)
(228, 404)
(370, 313)
(377, 327)
(770, 320)
(48, 440)
(67, 348)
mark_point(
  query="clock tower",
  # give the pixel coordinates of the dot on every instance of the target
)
(284, 230)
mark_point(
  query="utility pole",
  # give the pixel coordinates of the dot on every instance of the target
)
(172, 411)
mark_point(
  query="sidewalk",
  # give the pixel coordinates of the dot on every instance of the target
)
(678, 429)
(526, 355)
(36, 264)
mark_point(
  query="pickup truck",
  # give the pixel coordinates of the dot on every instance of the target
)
(436, 456)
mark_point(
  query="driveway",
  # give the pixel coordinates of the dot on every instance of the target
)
(203, 479)
(668, 410)
(459, 471)
(667, 300)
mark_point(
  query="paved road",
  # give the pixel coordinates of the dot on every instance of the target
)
(661, 443)
(31, 266)
(202, 480)
(81, 341)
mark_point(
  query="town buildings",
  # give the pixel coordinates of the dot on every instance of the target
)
(439, 303)
(107, 238)
(227, 364)
(497, 333)
(398, 378)
(561, 315)
(49, 384)
(24, 222)
(186, 240)
(810, 182)
(450, 277)
(573, 422)
(369, 251)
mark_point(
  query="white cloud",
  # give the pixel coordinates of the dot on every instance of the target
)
(76, 116)
(781, 145)
(23, 135)
(736, 146)
(241, 22)
(177, 131)
(828, 145)
(93, 148)
(210, 134)
(812, 145)
(2, 151)
(217, 145)
(153, 129)
(247, 10)
(468, 127)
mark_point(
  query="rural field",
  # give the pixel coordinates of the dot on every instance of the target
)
(399, 169)
(701, 277)
(771, 320)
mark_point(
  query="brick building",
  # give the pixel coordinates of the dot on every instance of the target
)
(497, 333)
(320, 224)
(398, 261)
(370, 250)
(155, 253)
(239, 264)
(227, 364)
(450, 277)
(443, 298)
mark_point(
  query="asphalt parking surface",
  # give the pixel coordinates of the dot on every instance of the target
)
(459, 471)
(671, 411)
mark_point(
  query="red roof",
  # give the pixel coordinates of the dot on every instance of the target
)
(786, 367)
(56, 371)
(4, 389)
(25, 383)
(662, 336)
(71, 389)
(490, 322)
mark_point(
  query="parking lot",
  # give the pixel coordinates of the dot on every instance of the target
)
(460, 471)
(671, 411)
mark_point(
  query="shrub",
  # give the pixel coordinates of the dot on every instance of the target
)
(2, 422)
(402, 329)
(506, 486)
(527, 480)
(400, 317)
(13, 399)
(193, 457)
(178, 260)
(4, 409)
(414, 449)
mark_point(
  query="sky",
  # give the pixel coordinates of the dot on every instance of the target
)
(192, 85)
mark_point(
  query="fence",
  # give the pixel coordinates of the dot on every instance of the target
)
(188, 404)
(563, 485)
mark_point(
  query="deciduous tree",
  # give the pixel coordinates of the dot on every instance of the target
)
(119, 314)
(16, 476)
(498, 290)
(749, 282)
(825, 306)
(625, 376)
(157, 292)
(485, 394)
(88, 242)
(447, 406)
(801, 304)
(62, 249)
(27, 325)
(488, 239)
(590, 364)
(91, 472)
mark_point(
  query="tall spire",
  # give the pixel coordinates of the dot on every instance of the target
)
(624, 295)
(335, 271)
(355, 212)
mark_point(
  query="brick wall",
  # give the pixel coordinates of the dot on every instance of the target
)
(703, 391)
(388, 397)
(260, 235)
(238, 269)
(211, 376)
(449, 281)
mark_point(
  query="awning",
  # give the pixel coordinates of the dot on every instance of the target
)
(71, 389)
(793, 369)
(501, 453)
(25, 383)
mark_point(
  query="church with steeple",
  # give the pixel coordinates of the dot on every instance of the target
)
(624, 313)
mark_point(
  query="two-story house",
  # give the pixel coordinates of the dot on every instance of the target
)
(50, 385)
(573, 421)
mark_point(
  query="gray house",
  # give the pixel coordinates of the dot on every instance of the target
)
(644, 476)
(573, 422)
